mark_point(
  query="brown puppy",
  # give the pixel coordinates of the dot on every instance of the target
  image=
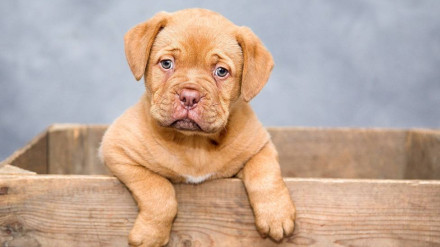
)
(194, 123)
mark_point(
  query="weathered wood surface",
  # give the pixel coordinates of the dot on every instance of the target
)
(6, 169)
(423, 154)
(51, 210)
(33, 156)
(304, 152)
(341, 153)
(73, 149)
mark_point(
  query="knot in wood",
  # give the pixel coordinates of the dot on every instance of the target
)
(187, 243)
(3, 191)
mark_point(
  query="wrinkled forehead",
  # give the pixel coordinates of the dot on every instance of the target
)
(199, 39)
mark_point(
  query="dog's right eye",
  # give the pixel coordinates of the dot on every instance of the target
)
(166, 64)
(221, 72)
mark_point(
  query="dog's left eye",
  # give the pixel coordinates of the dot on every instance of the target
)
(221, 72)
(166, 64)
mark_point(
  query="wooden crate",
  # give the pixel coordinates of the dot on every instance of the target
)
(351, 187)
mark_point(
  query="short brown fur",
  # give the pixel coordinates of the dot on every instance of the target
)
(145, 149)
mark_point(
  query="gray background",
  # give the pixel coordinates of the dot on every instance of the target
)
(338, 63)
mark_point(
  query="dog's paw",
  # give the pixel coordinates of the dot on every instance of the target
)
(275, 219)
(145, 234)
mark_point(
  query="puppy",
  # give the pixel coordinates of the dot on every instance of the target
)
(194, 122)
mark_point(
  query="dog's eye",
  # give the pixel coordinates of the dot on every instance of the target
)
(166, 64)
(221, 72)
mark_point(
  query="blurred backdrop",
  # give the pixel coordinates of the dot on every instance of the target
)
(340, 63)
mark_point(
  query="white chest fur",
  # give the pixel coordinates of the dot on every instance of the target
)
(197, 179)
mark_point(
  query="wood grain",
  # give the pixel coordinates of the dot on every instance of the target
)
(304, 152)
(53, 210)
(73, 149)
(8, 169)
(423, 154)
(341, 153)
(33, 156)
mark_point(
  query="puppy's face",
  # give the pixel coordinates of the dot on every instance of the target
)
(197, 64)
(194, 73)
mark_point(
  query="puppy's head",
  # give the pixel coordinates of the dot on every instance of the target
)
(196, 65)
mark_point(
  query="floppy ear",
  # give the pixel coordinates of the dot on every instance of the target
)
(138, 42)
(257, 63)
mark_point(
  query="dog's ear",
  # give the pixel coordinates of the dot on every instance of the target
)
(138, 42)
(257, 63)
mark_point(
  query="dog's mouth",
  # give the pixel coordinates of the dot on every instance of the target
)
(186, 124)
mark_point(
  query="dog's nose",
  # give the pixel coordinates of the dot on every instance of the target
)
(189, 97)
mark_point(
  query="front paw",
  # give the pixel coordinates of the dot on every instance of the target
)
(149, 234)
(275, 218)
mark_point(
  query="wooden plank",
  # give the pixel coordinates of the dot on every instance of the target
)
(74, 149)
(8, 169)
(304, 152)
(55, 210)
(33, 156)
(423, 152)
(341, 153)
